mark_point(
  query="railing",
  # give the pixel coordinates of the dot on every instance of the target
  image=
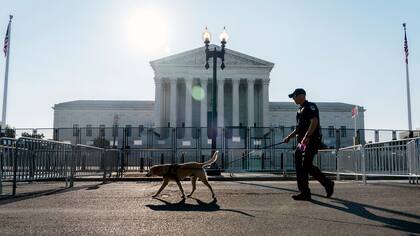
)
(240, 150)
(29, 159)
(399, 158)
(7, 153)
(198, 137)
(413, 153)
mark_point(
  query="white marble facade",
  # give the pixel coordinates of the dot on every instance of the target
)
(244, 100)
(242, 90)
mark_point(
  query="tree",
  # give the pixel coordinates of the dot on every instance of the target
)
(9, 132)
(101, 142)
(38, 136)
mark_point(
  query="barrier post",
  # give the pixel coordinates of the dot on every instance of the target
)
(73, 165)
(362, 149)
(338, 165)
(103, 164)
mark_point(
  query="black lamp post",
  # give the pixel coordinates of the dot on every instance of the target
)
(215, 54)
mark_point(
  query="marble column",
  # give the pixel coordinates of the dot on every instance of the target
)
(266, 112)
(173, 102)
(203, 104)
(158, 103)
(220, 103)
(251, 119)
(235, 102)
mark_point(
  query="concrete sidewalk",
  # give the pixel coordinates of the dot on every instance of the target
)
(242, 208)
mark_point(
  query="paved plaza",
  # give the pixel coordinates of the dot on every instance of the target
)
(242, 208)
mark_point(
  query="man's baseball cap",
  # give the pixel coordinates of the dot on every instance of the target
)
(297, 91)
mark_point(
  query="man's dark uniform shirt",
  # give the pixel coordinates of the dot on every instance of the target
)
(306, 112)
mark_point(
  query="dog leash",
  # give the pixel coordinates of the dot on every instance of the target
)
(250, 153)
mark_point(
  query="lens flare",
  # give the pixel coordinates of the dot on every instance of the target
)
(198, 93)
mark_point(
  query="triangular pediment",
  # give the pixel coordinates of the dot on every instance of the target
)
(197, 57)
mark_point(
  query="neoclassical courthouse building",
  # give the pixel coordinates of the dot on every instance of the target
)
(183, 92)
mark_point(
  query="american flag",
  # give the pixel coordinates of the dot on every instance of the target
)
(354, 112)
(405, 46)
(6, 41)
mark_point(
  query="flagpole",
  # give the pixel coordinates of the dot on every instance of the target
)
(410, 128)
(6, 76)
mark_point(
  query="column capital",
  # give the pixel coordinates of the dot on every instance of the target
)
(158, 80)
(221, 82)
(173, 81)
(265, 81)
(236, 80)
(250, 80)
(188, 82)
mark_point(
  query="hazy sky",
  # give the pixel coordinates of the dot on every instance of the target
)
(339, 51)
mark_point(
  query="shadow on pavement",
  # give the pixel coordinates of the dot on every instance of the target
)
(183, 206)
(361, 210)
(24, 196)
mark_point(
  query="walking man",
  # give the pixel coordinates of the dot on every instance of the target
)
(308, 136)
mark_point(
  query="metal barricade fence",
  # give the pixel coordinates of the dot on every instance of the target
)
(94, 161)
(326, 160)
(37, 159)
(7, 153)
(29, 159)
(398, 158)
(350, 161)
(259, 160)
(88, 160)
(413, 155)
(387, 158)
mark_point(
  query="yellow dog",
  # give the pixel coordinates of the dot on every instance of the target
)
(178, 172)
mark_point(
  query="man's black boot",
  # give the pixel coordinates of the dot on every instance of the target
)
(302, 197)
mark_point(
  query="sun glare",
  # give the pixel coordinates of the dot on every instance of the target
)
(146, 30)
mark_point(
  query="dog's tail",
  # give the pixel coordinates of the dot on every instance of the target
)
(212, 160)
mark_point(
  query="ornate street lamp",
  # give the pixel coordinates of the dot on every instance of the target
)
(215, 54)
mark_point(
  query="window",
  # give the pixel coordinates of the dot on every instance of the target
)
(141, 129)
(115, 130)
(75, 130)
(331, 131)
(88, 130)
(343, 131)
(102, 130)
(128, 130)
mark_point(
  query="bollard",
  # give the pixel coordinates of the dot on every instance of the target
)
(141, 164)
